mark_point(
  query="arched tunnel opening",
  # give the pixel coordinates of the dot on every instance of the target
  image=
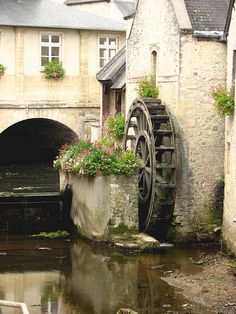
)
(33, 141)
(30, 198)
(28, 150)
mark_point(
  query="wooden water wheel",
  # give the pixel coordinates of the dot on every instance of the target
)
(149, 132)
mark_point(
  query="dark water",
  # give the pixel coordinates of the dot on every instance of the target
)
(30, 178)
(74, 277)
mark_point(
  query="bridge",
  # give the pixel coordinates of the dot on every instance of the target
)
(30, 138)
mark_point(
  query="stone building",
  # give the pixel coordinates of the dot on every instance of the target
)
(30, 36)
(229, 219)
(181, 44)
(114, 9)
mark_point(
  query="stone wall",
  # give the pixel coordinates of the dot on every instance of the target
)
(101, 204)
(188, 69)
(229, 220)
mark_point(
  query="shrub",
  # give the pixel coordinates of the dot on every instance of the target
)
(147, 88)
(2, 69)
(54, 69)
(224, 101)
(91, 159)
(116, 126)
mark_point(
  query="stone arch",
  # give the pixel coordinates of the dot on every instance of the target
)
(79, 119)
(34, 139)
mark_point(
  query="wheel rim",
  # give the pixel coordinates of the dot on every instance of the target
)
(149, 133)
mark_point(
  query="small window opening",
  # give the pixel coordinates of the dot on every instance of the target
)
(154, 65)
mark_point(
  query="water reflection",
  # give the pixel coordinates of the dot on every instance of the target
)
(77, 278)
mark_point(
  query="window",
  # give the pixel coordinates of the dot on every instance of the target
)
(50, 46)
(154, 65)
(108, 47)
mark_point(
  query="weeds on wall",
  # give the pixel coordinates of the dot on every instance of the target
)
(54, 70)
(224, 100)
(101, 158)
(2, 69)
(147, 88)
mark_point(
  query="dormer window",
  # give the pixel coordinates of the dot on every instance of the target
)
(108, 47)
(50, 45)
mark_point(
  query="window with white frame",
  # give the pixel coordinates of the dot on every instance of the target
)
(108, 47)
(50, 46)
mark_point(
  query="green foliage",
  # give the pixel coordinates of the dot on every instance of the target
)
(52, 235)
(147, 88)
(116, 126)
(123, 229)
(2, 69)
(54, 69)
(92, 159)
(52, 293)
(232, 265)
(224, 101)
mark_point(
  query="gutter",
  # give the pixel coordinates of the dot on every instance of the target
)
(210, 34)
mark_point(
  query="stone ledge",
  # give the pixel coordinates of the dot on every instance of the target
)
(135, 243)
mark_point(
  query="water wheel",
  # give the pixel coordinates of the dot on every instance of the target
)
(149, 132)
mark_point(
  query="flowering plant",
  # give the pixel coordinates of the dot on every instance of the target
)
(84, 158)
(2, 69)
(54, 69)
(147, 87)
(224, 100)
(116, 126)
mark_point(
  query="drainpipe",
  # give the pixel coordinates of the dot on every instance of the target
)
(210, 34)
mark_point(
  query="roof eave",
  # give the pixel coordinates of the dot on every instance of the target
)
(66, 27)
(228, 20)
(85, 2)
(119, 88)
(129, 16)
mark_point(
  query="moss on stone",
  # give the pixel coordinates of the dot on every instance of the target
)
(52, 235)
(123, 229)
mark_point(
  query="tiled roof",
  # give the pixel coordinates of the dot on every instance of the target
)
(114, 68)
(49, 14)
(207, 15)
(126, 7)
(120, 80)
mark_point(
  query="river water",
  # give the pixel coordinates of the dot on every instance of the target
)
(71, 276)
(76, 277)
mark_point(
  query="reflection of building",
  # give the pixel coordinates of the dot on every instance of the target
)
(29, 288)
(181, 44)
(229, 221)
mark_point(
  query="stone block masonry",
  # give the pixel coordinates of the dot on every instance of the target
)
(187, 70)
(102, 204)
